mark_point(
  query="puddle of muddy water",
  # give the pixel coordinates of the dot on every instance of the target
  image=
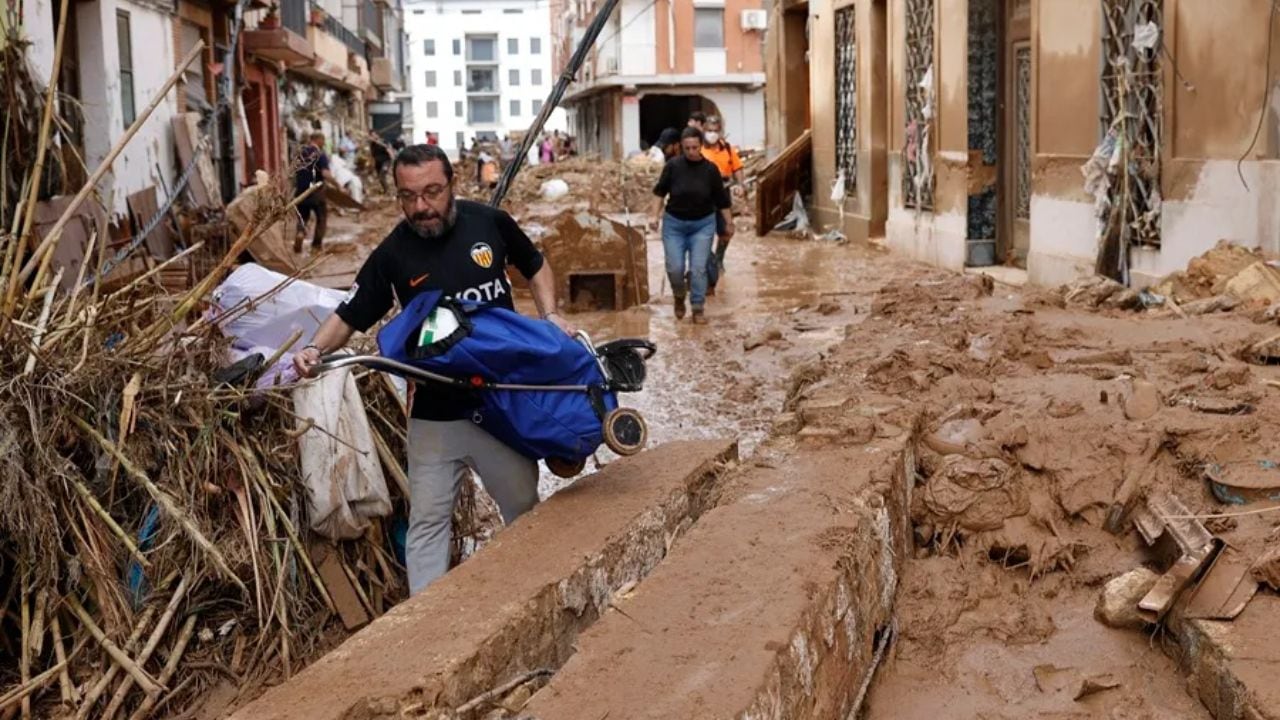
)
(703, 383)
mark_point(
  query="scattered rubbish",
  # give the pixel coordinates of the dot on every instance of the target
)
(1142, 401)
(1267, 568)
(766, 336)
(972, 494)
(1146, 36)
(797, 220)
(1095, 684)
(1241, 483)
(1118, 602)
(1052, 679)
(554, 189)
(1225, 589)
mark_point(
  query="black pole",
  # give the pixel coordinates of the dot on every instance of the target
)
(553, 100)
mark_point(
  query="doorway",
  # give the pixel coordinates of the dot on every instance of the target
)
(795, 71)
(659, 112)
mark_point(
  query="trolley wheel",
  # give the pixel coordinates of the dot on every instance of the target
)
(625, 431)
(566, 468)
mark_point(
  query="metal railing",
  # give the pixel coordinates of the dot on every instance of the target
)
(334, 27)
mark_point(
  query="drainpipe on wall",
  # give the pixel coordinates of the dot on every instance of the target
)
(228, 108)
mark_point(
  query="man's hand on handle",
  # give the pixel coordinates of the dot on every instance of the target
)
(306, 360)
(559, 321)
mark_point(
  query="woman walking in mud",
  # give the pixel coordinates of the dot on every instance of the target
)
(690, 195)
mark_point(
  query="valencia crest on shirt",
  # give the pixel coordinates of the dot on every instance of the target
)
(482, 254)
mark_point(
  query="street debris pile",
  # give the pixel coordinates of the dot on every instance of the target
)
(1069, 449)
(600, 186)
(1227, 278)
(181, 522)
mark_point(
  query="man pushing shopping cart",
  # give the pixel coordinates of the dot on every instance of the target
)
(498, 391)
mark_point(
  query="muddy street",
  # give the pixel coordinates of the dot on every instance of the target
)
(911, 520)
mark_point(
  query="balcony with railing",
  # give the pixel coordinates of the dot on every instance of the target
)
(281, 35)
(371, 23)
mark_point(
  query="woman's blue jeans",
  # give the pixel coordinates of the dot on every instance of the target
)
(687, 245)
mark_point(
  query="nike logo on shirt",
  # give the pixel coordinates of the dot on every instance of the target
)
(415, 282)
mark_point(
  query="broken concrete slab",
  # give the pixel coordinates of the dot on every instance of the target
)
(773, 606)
(601, 263)
(1232, 665)
(519, 603)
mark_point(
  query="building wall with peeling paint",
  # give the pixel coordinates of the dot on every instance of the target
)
(151, 150)
(1214, 78)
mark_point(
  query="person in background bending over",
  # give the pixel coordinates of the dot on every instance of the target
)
(725, 157)
(666, 146)
(692, 194)
(313, 167)
(461, 248)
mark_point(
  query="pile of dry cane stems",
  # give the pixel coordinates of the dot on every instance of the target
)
(153, 537)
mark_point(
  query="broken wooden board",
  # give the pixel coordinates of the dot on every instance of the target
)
(1226, 588)
(68, 253)
(206, 190)
(337, 196)
(345, 598)
(272, 248)
(781, 179)
(144, 206)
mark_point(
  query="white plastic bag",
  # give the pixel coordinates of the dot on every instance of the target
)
(837, 189)
(554, 189)
(797, 219)
(340, 465)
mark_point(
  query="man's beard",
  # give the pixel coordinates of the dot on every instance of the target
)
(417, 221)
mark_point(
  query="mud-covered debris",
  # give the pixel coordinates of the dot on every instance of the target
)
(1118, 603)
(1209, 305)
(743, 391)
(768, 335)
(1099, 291)
(787, 423)
(974, 495)
(1142, 401)
(1267, 569)
(823, 410)
(828, 308)
(1096, 684)
(962, 436)
(1208, 274)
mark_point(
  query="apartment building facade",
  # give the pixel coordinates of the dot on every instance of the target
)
(656, 62)
(480, 68)
(1066, 137)
(119, 53)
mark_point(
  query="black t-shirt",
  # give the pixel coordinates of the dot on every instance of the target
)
(693, 190)
(311, 166)
(467, 263)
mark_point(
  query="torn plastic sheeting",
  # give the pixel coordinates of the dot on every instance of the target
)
(1146, 36)
(269, 322)
(797, 219)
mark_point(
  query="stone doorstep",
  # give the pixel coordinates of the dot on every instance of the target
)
(521, 602)
(771, 607)
(1234, 667)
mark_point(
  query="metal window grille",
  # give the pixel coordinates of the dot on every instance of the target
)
(846, 96)
(1132, 105)
(1022, 96)
(917, 176)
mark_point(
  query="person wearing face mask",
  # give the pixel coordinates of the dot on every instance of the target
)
(725, 157)
(462, 248)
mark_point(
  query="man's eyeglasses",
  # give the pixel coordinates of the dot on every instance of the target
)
(430, 192)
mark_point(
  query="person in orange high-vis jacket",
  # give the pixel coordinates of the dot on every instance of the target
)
(725, 157)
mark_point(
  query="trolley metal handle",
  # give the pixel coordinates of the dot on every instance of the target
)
(377, 362)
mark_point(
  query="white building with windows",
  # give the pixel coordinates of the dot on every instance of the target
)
(480, 68)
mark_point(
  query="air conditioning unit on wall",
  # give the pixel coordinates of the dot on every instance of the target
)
(755, 19)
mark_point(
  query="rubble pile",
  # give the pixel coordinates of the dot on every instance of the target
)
(1226, 278)
(604, 187)
(160, 545)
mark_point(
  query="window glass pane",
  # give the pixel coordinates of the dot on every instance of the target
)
(431, 78)
(125, 49)
(429, 47)
(457, 47)
(515, 108)
(482, 49)
(461, 138)
(481, 80)
(535, 46)
(708, 27)
(535, 77)
(537, 106)
(125, 40)
(432, 110)
(482, 110)
(513, 77)
(457, 78)
(457, 108)
(513, 46)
